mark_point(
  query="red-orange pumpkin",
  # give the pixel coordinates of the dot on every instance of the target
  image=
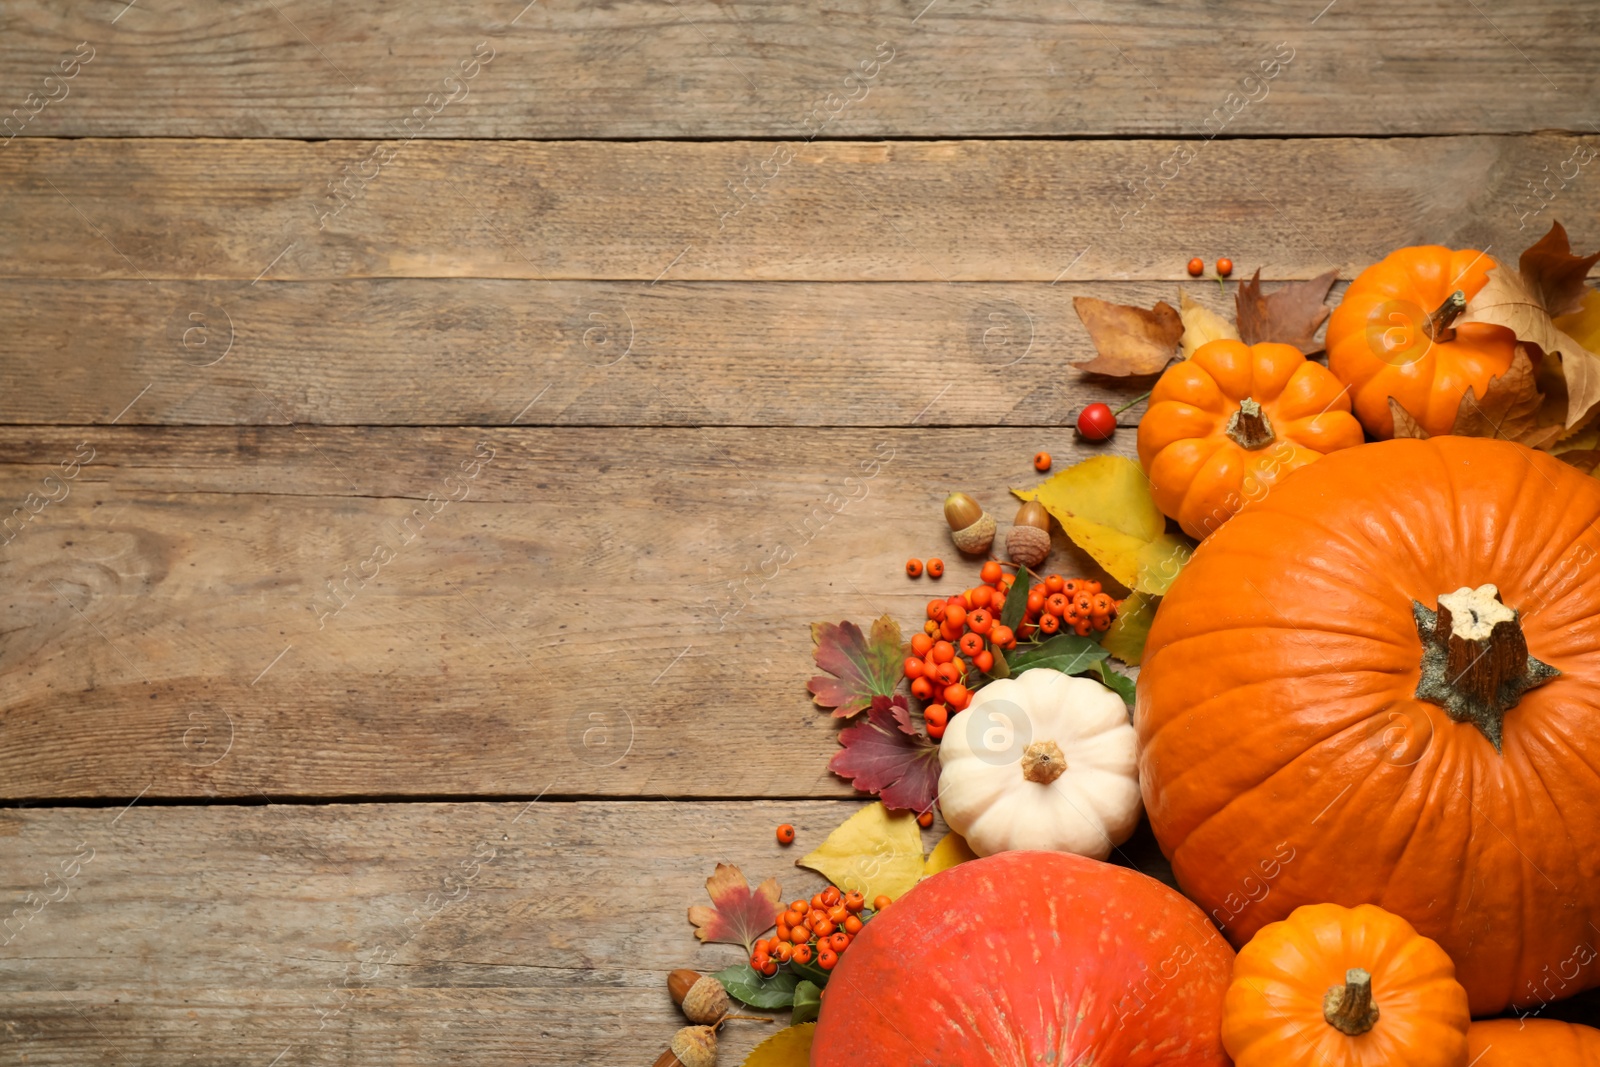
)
(1313, 728)
(1029, 958)
(1535, 1042)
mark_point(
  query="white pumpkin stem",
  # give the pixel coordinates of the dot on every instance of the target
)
(1349, 1008)
(1043, 762)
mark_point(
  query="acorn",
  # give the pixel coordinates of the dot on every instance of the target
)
(693, 1046)
(971, 528)
(702, 998)
(1028, 540)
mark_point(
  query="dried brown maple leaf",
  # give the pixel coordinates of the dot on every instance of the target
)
(1508, 410)
(1554, 274)
(1129, 340)
(738, 914)
(1289, 315)
(1509, 299)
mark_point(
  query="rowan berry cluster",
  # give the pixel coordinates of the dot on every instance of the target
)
(1075, 605)
(819, 929)
(958, 642)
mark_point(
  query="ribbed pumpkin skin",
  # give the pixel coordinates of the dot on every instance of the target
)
(1029, 958)
(1272, 1016)
(1284, 759)
(1375, 347)
(1535, 1042)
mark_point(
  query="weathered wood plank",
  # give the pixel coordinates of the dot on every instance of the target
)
(903, 211)
(763, 68)
(474, 351)
(377, 934)
(456, 612)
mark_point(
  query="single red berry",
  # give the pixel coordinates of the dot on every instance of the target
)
(785, 834)
(1197, 267)
(1096, 423)
(1224, 266)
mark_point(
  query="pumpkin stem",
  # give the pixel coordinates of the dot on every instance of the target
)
(1249, 426)
(1043, 762)
(1475, 662)
(1439, 328)
(1349, 1008)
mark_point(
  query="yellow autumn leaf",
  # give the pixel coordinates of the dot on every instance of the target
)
(1104, 505)
(1201, 324)
(1125, 639)
(873, 852)
(951, 850)
(789, 1047)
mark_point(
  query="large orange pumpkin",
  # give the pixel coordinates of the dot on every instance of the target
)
(1391, 336)
(1227, 423)
(1332, 707)
(1344, 987)
(1540, 1042)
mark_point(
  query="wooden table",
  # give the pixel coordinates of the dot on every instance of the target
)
(406, 407)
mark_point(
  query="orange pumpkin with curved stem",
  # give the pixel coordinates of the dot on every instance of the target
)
(1224, 425)
(1545, 1042)
(1389, 669)
(1344, 987)
(1392, 336)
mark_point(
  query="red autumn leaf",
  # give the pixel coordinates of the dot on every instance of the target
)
(887, 756)
(861, 667)
(738, 915)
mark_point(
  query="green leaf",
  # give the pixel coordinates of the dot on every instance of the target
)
(1067, 653)
(1016, 604)
(1125, 639)
(746, 986)
(1001, 668)
(809, 972)
(1120, 683)
(807, 1002)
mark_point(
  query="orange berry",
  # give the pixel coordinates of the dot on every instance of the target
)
(1036, 598)
(930, 628)
(839, 941)
(949, 632)
(1002, 636)
(1224, 266)
(971, 643)
(1082, 627)
(984, 597)
(786, 834)
(1090, 586)
(1084, 603)
(854, 901)
(1101, 622)
(913, 568)
(838, 914)
(925, 820)
(921, 643)
(957, 696)
(935, 716)
(984, 661)
(936, 609)
(912, 667)
(802, 954)
(880, 902)
(768, 969)
(992, 572)
(943, 652)
(831, 896)
(1197, 267)
(797, 905)
(1099, 605)
(783, 927)
(785, 952)
(827, 959)
(949, 673)
(1072, 586)
(936, 568)
(980, 621)
(801, 933)
(1041, 461)
(1053, 584)
(955, 615)
(1007, 581)
(823, 929)
(922, 689)
(1047, 624)
(1056, 603)
(853, 925)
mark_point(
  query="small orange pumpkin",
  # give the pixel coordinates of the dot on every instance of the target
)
(1392, 336)
(1519, 1042)
(1227, 423)
(1344, 987)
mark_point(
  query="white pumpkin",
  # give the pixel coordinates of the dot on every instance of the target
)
(1041, 761)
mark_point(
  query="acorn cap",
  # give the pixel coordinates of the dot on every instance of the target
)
(1027, 545)
(707, 1001)
(977, 538)
(695, 1046)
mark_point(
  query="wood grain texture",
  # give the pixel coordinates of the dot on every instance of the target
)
(985, 211)
(477, 351)
(693, 68)
(378, 934)
(354, 611)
